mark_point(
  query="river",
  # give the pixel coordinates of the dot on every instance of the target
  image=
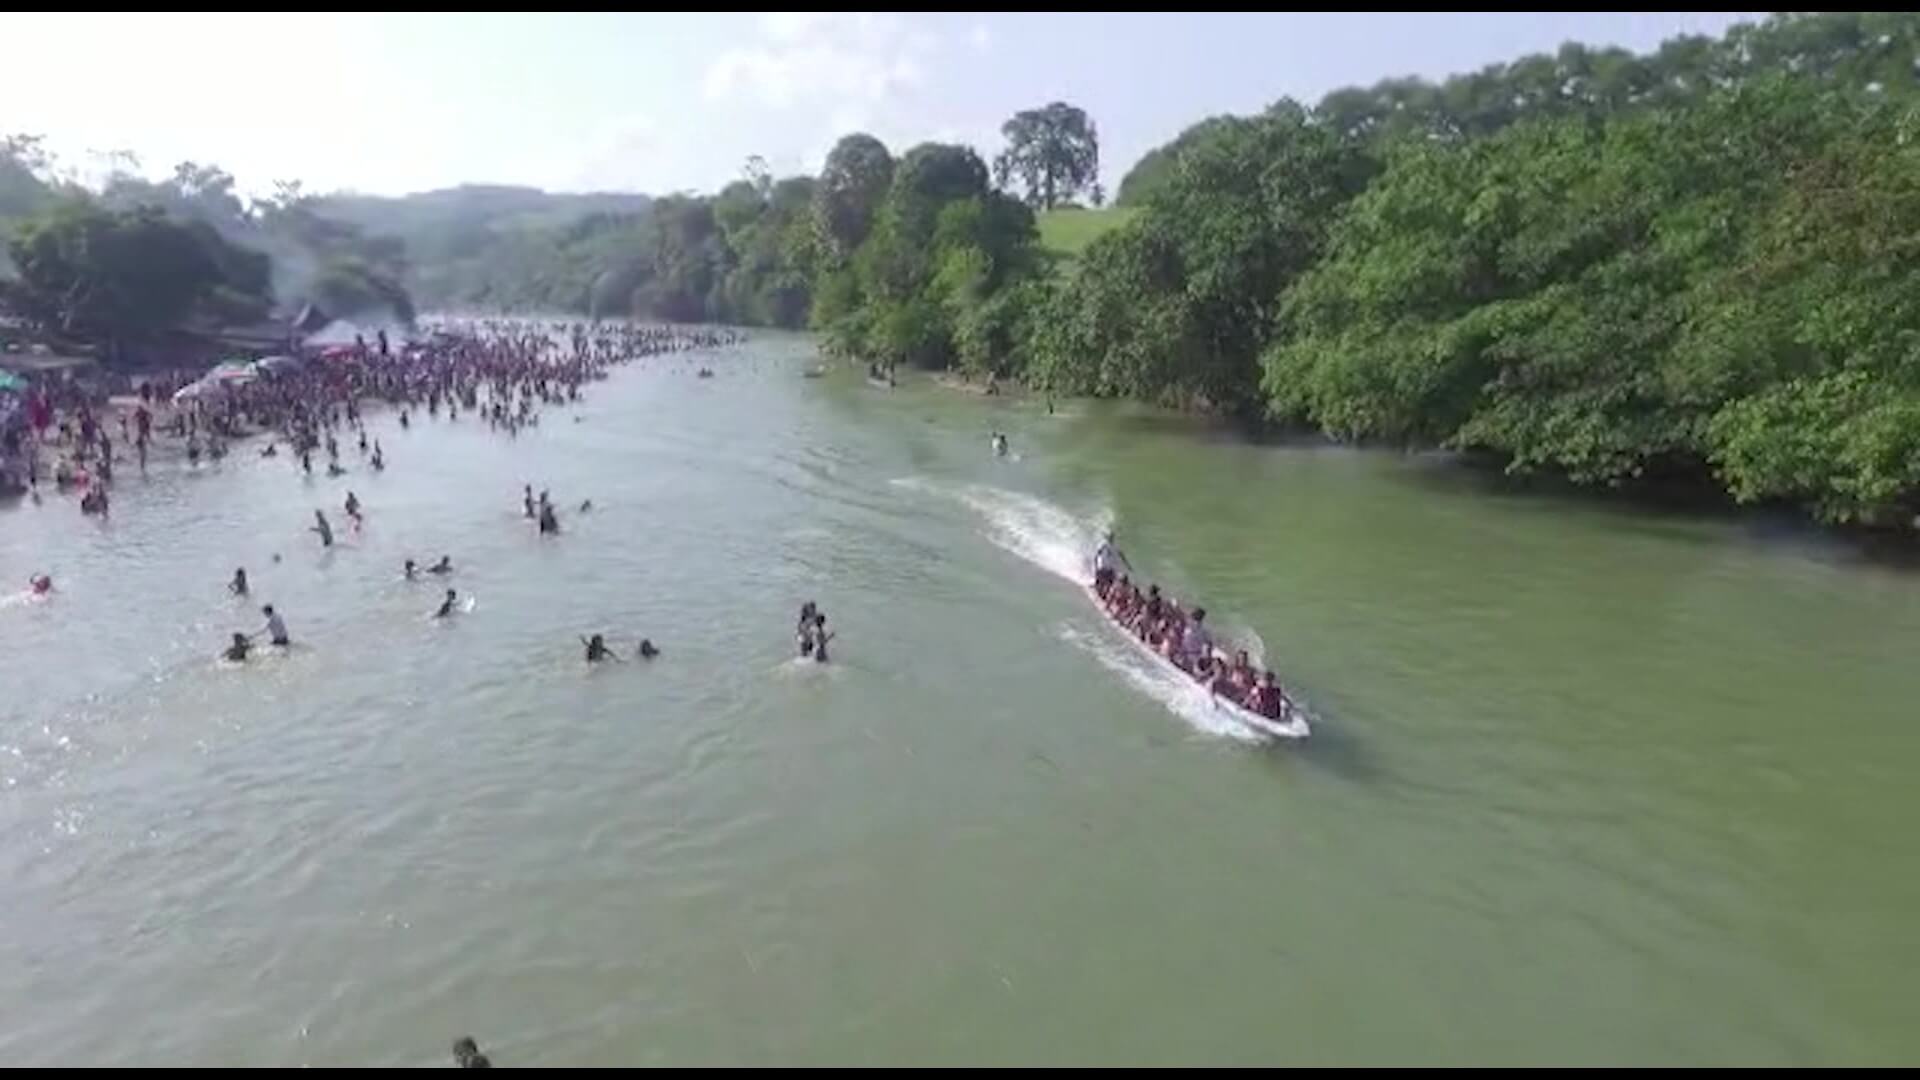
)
(1588, 784)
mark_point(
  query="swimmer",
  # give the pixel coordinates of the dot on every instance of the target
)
(586, 505)
(271, 450)
(321, 527)
(411, 571)
(597, 649)
(647, 651)
(466, 1053)
(353, 505)
(379, 461)
(276, 628)
(237, 651)
(334, 469)
(41, 584)
(238, 586)
(446, 606)
(549, 521)
(444, 566)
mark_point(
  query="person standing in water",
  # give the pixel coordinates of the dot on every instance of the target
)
(647, 651)
(276, 628)
(803, 629)
(238, 586)
(379, 461)
(526, 500)
(306, 461)
(447, 605)
(597, 649)
(321, 527)
(820, 638)
(410, 571)
(353, 507)
(549, 521)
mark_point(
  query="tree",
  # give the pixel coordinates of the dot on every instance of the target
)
(114, 274)
(856, 177)
(1053, 152)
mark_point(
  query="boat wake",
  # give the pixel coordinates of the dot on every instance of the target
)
(1045, 534)
(1181, 695)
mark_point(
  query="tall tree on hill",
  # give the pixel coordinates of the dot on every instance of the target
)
(856, 177)
(1053, 152)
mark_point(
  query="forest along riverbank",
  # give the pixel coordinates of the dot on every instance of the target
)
(1593, 785)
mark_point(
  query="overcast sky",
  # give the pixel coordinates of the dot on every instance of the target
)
(661, 102)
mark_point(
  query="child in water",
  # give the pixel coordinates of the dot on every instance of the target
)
(597, 649)
(820, 638)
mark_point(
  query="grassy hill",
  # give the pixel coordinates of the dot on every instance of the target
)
(1068, 231)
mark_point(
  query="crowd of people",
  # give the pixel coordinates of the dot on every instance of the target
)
(1182, 636)
(499, 371)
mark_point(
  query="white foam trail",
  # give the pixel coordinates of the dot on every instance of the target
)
(1181, 696)
(1043, 533)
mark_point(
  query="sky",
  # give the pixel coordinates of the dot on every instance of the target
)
(658, 102)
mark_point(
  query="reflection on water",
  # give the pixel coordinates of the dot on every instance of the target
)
(1588, 785)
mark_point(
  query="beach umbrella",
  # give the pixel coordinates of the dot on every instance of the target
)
(231, 372)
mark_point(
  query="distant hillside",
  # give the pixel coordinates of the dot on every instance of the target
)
(452, 234)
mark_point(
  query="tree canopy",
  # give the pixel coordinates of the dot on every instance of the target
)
(114, 274)
(1053, 152)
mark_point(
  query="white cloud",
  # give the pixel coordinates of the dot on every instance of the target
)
(820, 58)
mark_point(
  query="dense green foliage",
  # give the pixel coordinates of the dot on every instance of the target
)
(261, 251)
(110, 274)
(1692, 264)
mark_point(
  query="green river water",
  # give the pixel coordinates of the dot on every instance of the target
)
(1587, 784)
